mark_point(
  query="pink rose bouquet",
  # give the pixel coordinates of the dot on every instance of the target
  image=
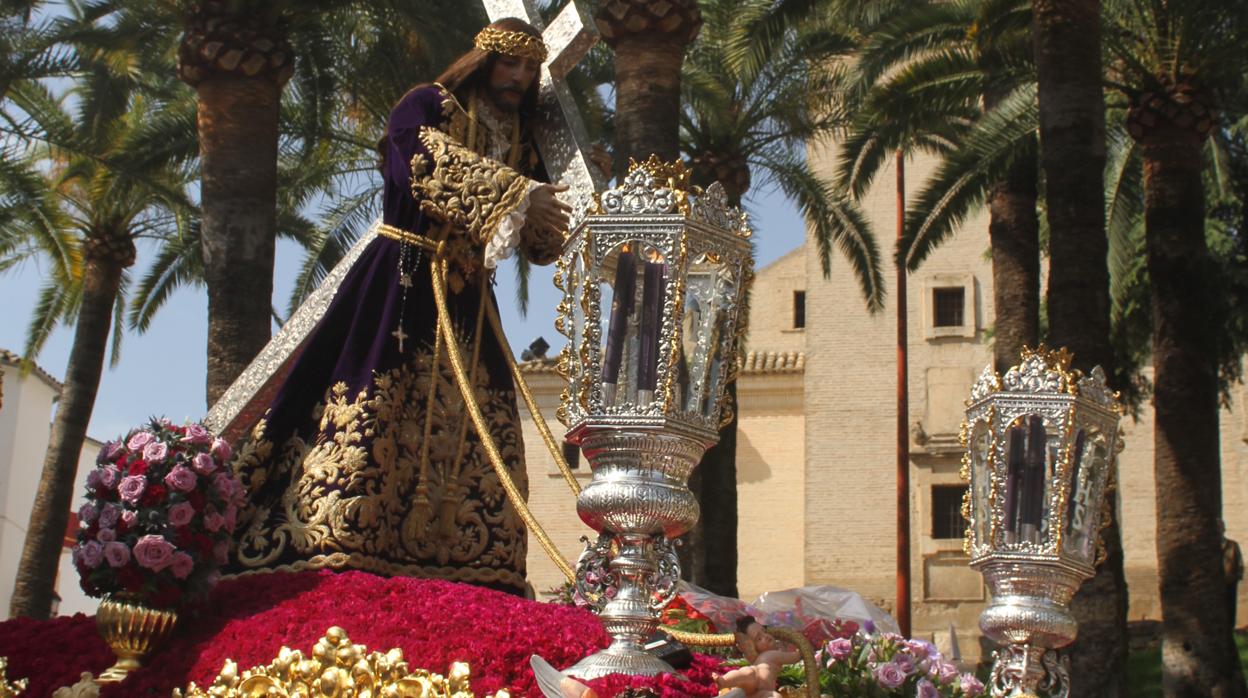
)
(160, 514)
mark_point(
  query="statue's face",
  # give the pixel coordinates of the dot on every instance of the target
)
(510, 79)
(762, 641)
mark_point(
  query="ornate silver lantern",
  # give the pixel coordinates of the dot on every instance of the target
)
(1041, 445)
(653, 283)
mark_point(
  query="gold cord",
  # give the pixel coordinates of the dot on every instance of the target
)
(701, 639)
(438, 266)
(457, 464)
(540, 421)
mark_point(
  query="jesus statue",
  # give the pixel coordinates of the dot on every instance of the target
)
(365, 458)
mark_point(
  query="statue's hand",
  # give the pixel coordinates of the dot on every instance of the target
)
(547, 214)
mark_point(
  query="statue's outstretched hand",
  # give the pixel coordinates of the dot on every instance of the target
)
(547, 213)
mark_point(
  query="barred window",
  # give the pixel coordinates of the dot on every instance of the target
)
(947, 521)
(949, 303)
(572, 454)
(799, 310)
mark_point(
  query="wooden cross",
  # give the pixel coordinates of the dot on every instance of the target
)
(560, 131)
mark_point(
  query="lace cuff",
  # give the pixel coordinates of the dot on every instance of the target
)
(506, 239)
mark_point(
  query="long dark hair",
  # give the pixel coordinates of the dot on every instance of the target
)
(471, 72)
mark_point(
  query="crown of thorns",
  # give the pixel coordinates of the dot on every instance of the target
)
(516, 44)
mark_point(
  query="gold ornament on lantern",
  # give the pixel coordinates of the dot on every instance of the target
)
(132, 630)
(9, 689)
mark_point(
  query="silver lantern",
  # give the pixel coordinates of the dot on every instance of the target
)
(1041, 444)
(653, 282)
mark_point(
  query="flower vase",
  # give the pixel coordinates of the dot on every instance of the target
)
(133, 630)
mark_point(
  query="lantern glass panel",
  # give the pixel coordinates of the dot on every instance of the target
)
(1031, 451)
(1088, 464)
(632, 287)
(700, 366)
(981, 480)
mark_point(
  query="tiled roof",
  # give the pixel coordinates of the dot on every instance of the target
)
(8, 357)
(754, 362)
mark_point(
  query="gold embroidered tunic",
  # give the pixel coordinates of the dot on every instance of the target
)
(366, 458)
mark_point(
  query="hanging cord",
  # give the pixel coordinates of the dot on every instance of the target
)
(538, 419)
(478, 420)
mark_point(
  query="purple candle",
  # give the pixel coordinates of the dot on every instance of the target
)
(1013, 480)
(1031, 512)
(621, 307)
(652, 293)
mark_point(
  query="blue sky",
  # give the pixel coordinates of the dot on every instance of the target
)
(162, 371)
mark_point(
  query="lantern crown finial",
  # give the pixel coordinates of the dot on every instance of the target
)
(673, 175)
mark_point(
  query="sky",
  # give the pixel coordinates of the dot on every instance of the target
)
(163, 371)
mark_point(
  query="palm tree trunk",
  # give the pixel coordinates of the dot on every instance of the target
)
(647, 79)
(1072, 136)
(238, 150)
(1198, 650)
(1014, 232)
(49, 515)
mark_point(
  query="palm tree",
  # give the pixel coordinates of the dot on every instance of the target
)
(94, 205)
(749, 110)
(1180, 66)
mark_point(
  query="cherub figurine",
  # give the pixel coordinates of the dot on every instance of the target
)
(766, 657)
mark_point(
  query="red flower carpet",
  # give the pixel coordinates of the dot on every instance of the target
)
(249, 619)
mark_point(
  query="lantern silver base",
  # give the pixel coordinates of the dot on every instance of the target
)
(1023, 671)
(617, 659)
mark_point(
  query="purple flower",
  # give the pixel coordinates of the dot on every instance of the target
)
(182, 565)
(839, 649)
(869, 627)
(131, 488)
(945, 672)
(109, 515)
(971, 686)
(87, 514)
(221, 450)
(139, 440)
(203, 464)
(93, 479)
(106, 452)
(109, 475)
(197, 434)
(181, 478)
(106, 535)
(153, 552)
(888, 674)
(213, 521)
(922, 649)
(926, 689)
(92, 554)
(155, 452)
(221, 552)
(117, 554)
(180, 514)
(128, 517)
(904, 662)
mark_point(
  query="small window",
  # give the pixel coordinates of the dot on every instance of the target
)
(799, 310)
(572, 454)
(949, 303)
(947, 520)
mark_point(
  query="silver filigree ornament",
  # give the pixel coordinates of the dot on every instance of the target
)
(1041, 448)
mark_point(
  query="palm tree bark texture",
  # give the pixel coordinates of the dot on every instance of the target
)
(238, 65)
(1199, 657)
(1067, 48)
(107, 256)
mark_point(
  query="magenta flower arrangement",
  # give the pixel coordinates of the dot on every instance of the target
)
(857, 664)
(161, 507)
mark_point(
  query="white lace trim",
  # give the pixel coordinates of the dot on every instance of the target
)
(507, 238)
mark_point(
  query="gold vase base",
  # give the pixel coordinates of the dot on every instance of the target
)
(119, 671)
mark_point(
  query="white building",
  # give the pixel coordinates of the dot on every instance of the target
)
(26, 410)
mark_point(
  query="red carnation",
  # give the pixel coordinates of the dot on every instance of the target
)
(138, 466)
(130, 578)
(196, 498)
(155, 494)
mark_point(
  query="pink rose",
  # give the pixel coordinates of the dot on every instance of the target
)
(155, 452)
(181, 478)
(180, 514)
(221, 450)
(131, 488)
(197, 434)
(92, 554)
(182, 565)
(904, 662)
(224, 485)
(109, 515)
(231, 518)
(109, 475)
(888, 675)
(153, 552)
(221, 552)
(945, 672)
(203, 464)
(839, 649)
(971, 686)
(117, 554)
(139, 440)
(106, 535)
(213, 521)
(87, 514)
(128, 517)
(926, 689)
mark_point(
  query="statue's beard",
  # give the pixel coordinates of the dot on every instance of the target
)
(507, 98)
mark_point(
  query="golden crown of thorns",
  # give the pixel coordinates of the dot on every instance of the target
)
(516, 44)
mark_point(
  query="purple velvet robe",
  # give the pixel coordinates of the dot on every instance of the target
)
(366, 459)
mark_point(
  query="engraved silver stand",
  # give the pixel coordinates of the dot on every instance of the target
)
(1041, 445)
(653, 281)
